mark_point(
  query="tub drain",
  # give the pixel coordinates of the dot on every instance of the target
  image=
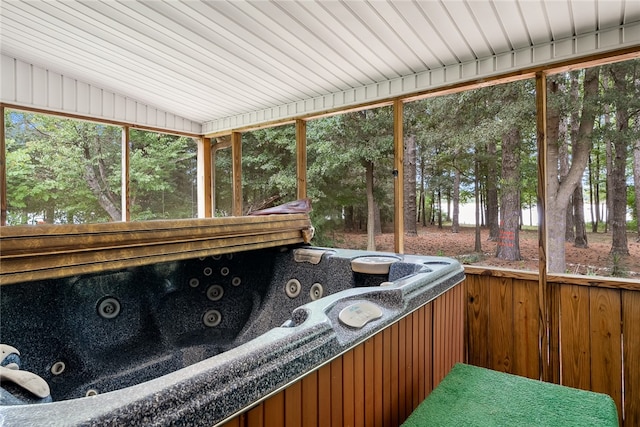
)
(212, 318)
(316, 291)
(292, 288)
(108, 308)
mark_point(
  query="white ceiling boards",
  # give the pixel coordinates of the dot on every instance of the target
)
(210, 66)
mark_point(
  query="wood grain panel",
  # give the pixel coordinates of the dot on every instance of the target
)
(402, 369)
(422, 362)
(371, 383)
(336, 392)
(324, 396)
(575, 337)
(525, 337)
(553, 360)
(274, 410)
(606, 341)
(477, 328)
(378, 366)
(255, 416)
(448, 332)
(415, 360)
(395, 372)
(348, 389)
(358, 386)
(310, 399)
(631, 337)
(429, 349)
(293, 405)
(501, 325)
(387, 393)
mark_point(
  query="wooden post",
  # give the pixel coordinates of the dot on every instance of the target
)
(543, 292)
(3, 174)
(205, 183)
(301, 153)
(236, 154)
(126, 149)
(398, 177)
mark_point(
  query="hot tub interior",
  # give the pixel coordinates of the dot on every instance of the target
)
(97, 333)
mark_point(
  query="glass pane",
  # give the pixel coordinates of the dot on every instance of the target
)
(268, 167)
(344, 152)
(61, 170)
(475, 176)
(162, 177)
(593, 131)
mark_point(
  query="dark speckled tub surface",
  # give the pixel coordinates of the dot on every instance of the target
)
(194, 342)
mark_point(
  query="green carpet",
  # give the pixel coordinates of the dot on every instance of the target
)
(470, 396)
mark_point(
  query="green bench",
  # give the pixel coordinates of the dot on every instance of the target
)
(476, 397)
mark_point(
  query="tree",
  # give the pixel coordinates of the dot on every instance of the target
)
(508, 245)
(162, 176)
(559, 192)
(61, 170)
(69, 171)
(623, 76)
(636, 179)
(410, 216)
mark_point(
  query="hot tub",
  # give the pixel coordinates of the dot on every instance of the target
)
(195, 341)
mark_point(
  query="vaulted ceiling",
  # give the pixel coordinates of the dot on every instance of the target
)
(209, 61)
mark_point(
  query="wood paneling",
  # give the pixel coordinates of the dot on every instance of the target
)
(593, 335)
(576, 354)
(631, 344)
(525, 319)
(363, 386)
(606, 343)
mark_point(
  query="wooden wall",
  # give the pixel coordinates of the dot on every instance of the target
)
(594, 332)
(377, 383)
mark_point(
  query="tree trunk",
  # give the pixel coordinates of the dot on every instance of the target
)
(371, 215)
(349, 219)
(439, 209)
(578, 230)
(559, 193)
(607, 122)
(618, 212)
(563, 161)
(636, 181)
(492, 191)
(580, 240)
(423, 201)
(508, 247)
(410, 227)
(476, 190)
(594, 194)
(455, 219)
